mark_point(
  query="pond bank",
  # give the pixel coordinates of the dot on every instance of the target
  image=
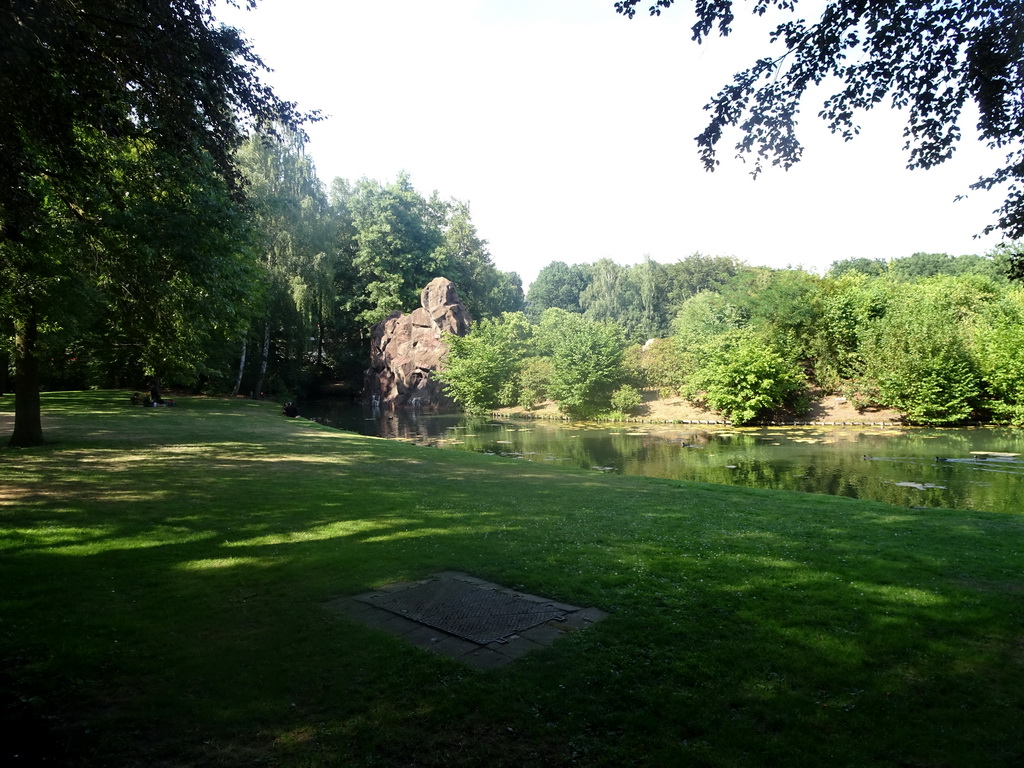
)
(825, 411)
(518, 414)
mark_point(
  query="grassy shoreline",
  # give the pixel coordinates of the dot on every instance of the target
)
(164, 572)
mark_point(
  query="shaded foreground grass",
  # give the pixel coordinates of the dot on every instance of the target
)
(163, 572)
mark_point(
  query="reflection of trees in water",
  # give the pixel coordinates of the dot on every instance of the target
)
(405, 426)
(834, 463)
(813, 462)
(546, 444)
(841, 462)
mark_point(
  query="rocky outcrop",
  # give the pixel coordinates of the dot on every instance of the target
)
(406, 349)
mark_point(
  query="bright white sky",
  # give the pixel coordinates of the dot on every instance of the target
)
(569, 130)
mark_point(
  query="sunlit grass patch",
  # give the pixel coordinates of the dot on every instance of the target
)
(319, 533)
(52, 536)
(220, 562)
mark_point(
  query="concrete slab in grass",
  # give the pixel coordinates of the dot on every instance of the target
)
(467, 618)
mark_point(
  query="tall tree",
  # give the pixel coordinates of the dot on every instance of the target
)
(778, 302)
(844, 307)
(586, 361)
(81, 86)
(632, 297)
(397, 247)
(293, 240)
(1010, 258)
(604, 297)
(650, 307)
(464, 259)
(696, 273)
(927, 57)
(558, 285)
(858, 265)
(177, 274)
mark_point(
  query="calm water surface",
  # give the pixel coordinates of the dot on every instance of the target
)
(915, 467)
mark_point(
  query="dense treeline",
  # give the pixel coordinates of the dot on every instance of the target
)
(160, 219)
(288, 279)
(938, 337)
(295, 275)
(313, 271)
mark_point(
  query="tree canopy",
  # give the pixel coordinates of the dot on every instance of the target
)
(161, 70)
(104, 107)
(929, 58)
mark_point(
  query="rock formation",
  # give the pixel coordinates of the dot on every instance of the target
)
(405, 349)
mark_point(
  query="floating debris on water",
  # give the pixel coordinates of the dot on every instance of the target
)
(921, 486)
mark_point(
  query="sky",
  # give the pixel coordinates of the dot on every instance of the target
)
(569, 131)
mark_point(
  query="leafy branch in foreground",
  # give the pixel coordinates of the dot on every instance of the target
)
(929, 58)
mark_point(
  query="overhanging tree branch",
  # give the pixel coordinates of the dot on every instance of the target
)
(927, 58)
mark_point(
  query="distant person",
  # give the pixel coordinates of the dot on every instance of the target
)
(291, 410)
(154, 392)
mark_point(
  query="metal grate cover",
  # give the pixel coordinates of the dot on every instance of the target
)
(467, 610)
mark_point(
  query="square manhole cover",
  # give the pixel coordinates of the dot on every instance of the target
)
(460, 616)
(472, 611)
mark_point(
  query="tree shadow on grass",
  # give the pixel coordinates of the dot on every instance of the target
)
(172, 607)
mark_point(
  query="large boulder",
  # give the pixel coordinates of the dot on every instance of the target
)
(406, 349)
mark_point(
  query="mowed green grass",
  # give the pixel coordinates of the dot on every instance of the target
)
(164, 571)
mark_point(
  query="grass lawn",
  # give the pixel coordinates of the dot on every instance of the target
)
(164, 571)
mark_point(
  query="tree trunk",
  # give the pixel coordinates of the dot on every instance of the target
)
(5, 363)
(28, 424)
(258, 390)
(241, 370)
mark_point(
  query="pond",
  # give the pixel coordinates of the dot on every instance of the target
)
(976, 468)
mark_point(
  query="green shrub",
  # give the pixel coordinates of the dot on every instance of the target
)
(997, 347)
(744, 377)
(481, 369)
(586, 359)
(663, 366)
(534, 378)
(626, 399)
(918, 359)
